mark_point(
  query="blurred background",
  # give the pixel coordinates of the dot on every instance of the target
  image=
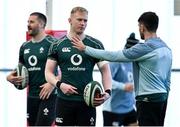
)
(111, 21)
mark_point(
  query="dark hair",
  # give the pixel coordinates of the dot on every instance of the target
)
(40, 16)
(150, 20)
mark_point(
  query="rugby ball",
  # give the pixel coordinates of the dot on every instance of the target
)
(92, 89)
(21, 70)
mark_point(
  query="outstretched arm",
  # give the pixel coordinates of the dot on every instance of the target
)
(116, 56)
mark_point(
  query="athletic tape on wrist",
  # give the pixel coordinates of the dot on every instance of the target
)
(58, 84)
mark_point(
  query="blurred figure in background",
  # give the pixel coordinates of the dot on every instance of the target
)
(119, 109)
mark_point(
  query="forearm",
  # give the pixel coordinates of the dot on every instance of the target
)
(49, 72)
(118, 85)
(106, 77)
(51, 78)
(114, 56)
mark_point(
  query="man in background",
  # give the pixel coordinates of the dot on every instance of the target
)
(33, 55)
(119, 109)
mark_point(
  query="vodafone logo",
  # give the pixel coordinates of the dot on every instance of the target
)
(76, 59)
(32, 60)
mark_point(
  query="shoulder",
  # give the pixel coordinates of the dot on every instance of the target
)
(59, 41)
(64, 38)
(51, 39)
(94, 42)
(25, 43)
(156, 43)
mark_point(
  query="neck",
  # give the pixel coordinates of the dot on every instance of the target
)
(39, 37)
(148, 35)
(72, 34)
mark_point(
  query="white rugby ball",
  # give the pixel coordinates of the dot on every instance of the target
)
(22, 71)
(92, 90)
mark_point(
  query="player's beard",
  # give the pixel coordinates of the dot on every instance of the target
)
(80, 30)
(33, 32)
(142, 35)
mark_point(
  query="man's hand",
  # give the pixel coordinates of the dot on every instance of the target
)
(68, 89)
(76, 41)
(100, 100)
(13, 78)
(46, 91)
(131, 41)
(129, 87)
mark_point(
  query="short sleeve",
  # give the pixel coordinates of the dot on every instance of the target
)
(53, 54)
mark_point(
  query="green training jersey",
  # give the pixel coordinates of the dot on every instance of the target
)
(76, 67)
(33, 56)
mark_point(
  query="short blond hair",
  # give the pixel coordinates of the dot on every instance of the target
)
(78, 9)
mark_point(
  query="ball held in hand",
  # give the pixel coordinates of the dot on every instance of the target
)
(91, 91)
(22, 71)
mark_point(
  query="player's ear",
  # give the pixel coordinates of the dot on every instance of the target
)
(69, 20)
(141, 27)
(41, 24)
